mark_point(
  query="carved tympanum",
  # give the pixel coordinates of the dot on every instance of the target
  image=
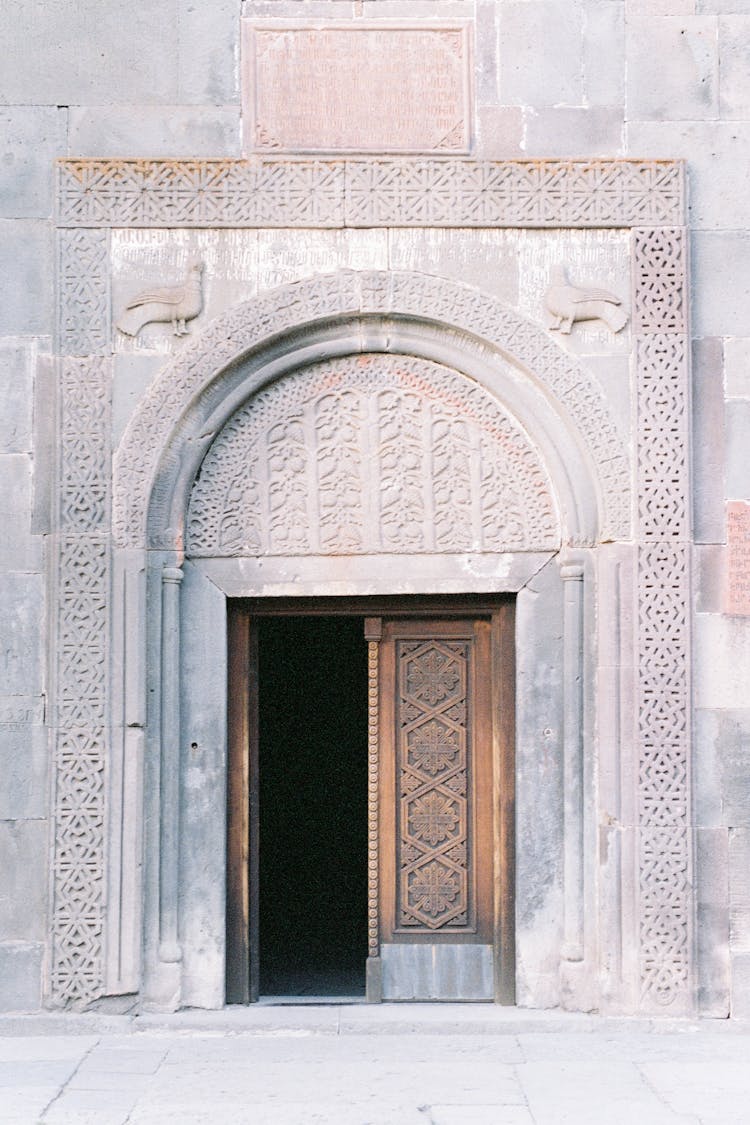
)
(371, 453)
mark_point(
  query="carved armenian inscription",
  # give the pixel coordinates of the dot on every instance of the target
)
(363, 88)
(738, 546)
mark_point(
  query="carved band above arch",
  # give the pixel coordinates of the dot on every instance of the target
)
(180, 402)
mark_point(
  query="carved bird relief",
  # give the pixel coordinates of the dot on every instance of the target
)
(568, 303)
(176, 304)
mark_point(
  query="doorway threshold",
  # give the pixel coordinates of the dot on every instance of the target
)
(318, 1001)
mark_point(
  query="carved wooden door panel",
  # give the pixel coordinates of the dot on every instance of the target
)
(438, 880)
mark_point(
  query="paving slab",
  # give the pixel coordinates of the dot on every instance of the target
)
(359, 1065)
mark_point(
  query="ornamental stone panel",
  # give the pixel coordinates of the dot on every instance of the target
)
(100, 534)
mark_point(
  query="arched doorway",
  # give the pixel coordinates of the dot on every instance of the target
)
(196, 561)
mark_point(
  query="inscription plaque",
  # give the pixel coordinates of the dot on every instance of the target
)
(738, 558)
(363, 88)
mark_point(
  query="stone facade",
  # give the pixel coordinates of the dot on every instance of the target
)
(432, 255)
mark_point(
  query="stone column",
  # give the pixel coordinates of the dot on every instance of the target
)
(572, 576)
(169, 786)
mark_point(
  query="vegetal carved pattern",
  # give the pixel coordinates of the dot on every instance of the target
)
(83, 299)
(329, 460)
(663, 625)
(443, 191)
(82, 668)
(432, 717)
(420, 296)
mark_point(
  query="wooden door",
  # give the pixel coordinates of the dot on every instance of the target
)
(444, 890)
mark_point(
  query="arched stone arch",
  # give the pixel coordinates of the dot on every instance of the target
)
(551, 395)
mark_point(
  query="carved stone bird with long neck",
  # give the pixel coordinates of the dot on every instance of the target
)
(568, 303)
(176, 304)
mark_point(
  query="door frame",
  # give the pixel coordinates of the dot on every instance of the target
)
(242, 836)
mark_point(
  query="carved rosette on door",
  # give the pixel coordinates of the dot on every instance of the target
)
(436, 840)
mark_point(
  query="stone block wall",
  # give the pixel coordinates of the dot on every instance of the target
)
(553, 78)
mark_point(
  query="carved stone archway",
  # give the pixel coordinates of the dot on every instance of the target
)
(643, 577)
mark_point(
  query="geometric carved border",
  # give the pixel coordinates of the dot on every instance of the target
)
(81, 680)
(663, 576)
(649, 195)
(445, 192)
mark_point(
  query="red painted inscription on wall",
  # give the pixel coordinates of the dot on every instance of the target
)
(365, 88)
(738, 566)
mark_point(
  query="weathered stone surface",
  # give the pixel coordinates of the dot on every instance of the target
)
(411, 9)
(708, 441)
(613, 373)
(737, 459)
(203, 772)
(722, 303)
(740, 1003)
(309, 9)
(484, 258)
(672, 68)
(131, 376)
(31, 137)
(19, 550)
(711, 866)
(737, 367)
(709, 576)
(79, 52)
(207, 58)
(500, 132)
(21, 976)
(718, 155)
(540, 53)
(485, 52)
(23, 891)
(739, 890)
(23, 758)
(147, 130)
(45, 448)
(725, 7)
(26, 297)
(539, 903)
(16, 387)
(22, 599)
(722, 777)
(574, 132)
(734, 35)
(362, 88)
(661, 7)
(604, 54)
(283, 257)
(721, 651)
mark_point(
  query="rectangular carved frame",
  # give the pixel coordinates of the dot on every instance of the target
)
(648, 197)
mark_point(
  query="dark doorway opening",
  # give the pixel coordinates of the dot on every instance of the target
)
(312, 716)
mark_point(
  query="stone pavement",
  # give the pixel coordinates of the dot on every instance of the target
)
(359, 1065)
